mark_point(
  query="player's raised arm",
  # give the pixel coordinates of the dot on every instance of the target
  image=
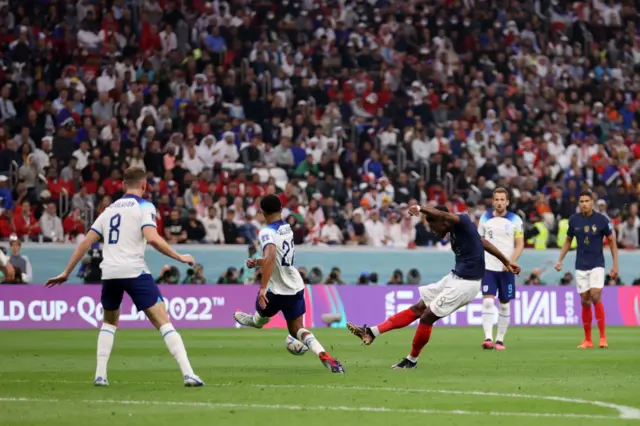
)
(159, 243)
(91, 238)
(434, 214)
(491, 249)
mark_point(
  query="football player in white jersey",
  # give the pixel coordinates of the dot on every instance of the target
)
(126, 227)
(505, 231)
(281, 288)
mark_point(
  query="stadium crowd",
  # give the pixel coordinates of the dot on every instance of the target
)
(351, 110)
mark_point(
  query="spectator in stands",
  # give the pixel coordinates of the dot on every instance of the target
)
(26, 225)
(230, 229)
(213, 227)
(174, 228)
(50, 225)
(628, 233)
(194, 228)
(74, 224)
(19, 260)
(330, 233)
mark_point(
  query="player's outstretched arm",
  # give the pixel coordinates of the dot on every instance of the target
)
(159, 243)
(91, 238)
(491, 249)
(434, 214)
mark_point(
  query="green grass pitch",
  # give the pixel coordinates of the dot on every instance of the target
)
(46, 379)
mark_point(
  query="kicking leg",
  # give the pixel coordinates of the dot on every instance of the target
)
(587, 318)
(158, 316)
(596, 299)
(296, 329)
(400, 320)
(106, 337)
(451, 294)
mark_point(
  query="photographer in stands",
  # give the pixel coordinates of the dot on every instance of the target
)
(169, 275)
(195, 275)
(90, 270)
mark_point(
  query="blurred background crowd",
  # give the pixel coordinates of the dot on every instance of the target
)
(351, 110)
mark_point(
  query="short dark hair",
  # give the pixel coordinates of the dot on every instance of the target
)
(501, 190)
(442, 208)
(270, 204)
(586, 194)
(134, 175)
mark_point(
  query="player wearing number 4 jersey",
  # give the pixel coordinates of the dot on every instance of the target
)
(125, 228)
(281, 288)
(590, 229)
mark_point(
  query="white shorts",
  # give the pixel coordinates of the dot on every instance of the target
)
(449, 294)
(593, 278)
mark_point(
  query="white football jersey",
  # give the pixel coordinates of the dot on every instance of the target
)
(285, 279)
(120, 227)
(501, 231)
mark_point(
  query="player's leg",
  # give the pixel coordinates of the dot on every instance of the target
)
(147, 297)
(399, 320)
(489, 292)
(507, 292)
(293, 309)
(261, 317)
(582, 280)
(454, 294)
(596, 280)
(112, 293)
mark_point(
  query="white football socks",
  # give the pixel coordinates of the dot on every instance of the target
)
(306, 337)
(174, 342)
(260, 321)
(105, 344)
(488, 306)
(504, 314)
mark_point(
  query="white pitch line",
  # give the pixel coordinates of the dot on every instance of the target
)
(625, 412)
(224, 405)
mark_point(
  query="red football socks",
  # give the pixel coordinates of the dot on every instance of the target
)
(399, 320)
(599, 307)
(587, 318)
(421, 338)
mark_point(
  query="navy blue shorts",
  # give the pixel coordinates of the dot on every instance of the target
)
(142, 290)
(291, 306)
(501, 283)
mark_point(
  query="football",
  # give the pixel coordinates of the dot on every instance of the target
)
(295, 347)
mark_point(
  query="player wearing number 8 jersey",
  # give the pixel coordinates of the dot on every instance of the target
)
(125, 227)
(281, 288)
